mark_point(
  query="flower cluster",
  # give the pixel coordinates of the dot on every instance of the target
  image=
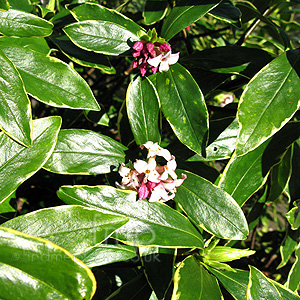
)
(158, 183)
(151, 51)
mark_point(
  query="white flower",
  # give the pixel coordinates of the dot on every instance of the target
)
(163, 61)
(147, 168)
(154, 149)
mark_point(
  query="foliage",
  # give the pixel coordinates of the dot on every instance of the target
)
(86, 86)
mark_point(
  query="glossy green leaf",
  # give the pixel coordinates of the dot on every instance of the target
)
(105, 254)
(234, 282)
(260, 287)
(223, 146)
(244, 175)
(91, 11)
(260, 112)
(73, 227)
(184, 14)
(34, 268)
(293, 215)
(24, 5)
(158, 265)
(37, 44)
(50, 80)
(151, 224)
(15, 109)
(193, 282)
(184, 107)
(154, 11)
(143, 110)
(293, 281)
(5, 206)
(17, 23)
(80, 151)
(136, 289)
(227, 12)
(81, 56)
(101, 37)
(211, 208)
(18, 162)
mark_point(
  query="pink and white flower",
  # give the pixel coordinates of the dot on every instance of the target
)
(164, 61)
(157, 183)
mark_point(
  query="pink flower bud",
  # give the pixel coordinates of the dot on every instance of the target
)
(136, 54)
(165, 47)
(138, 46)
(144, 192)
(150, 46)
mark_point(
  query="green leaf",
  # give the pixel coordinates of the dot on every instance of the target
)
(260, 287)
(24, 5)
(73, 227)
(17, 23)
(101, 37)
(234, 282)
(247, 61)
(227, 12)
(289, 245)
(81, 56)
(34, 268)
(151, 224)
(158, 265)
(91, 11)
(50, 80)
(211, 208)
(260, 112)
(184, 14)
(279, 176)
(184, 107)
(19, 163)
(244, 175)
(193, 282)
(37, 44)
(5, 207)
(293, 280)
(105, 254)
(136, 289)
(143, 110)
(80, 151)
(15, 112)
(4, 4)
(154, 11)
(293, 215)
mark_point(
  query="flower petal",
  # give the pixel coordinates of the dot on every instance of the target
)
(173, 59)
(155, 61)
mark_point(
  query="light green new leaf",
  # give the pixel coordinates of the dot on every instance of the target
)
(105, 254)
(73, 227)
(193, 282)
(101, 37)
(260, 287)
(150, 224)
(293, 281)
(50, 80)
(34, 268)
(15, 109)
(143, 110)
(18, 163)
(268, 102)
(17, 23)
(211, 208)
(184, 14)
(183, 105)
(91, 11)
(80, 151)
